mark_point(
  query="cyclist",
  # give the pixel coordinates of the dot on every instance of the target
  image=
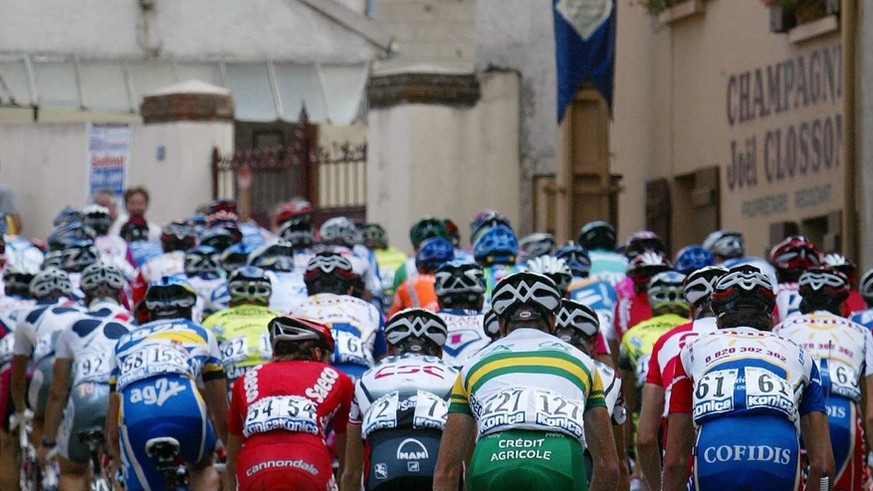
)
(340, 234)
(425, 228)
(419, 291)
(596, 292)
(531, 400)
(749, 391)
(535, 245)
(390, 259)
(16, 302)
(791, 257)
(631, 309)
(277, 423)
(491, 326)
(176, 238)
(697, 289)
(157, 372)
(496, 249)
(356, 325)
(235, 257)
(75, 257)
(239, 329)
(203, 272)
(460, 291)
(579, 325)
(288, 287)
(855, 301)
(400, 407)
(599, 238)
(35, 338)
(484, 220)
(81, 371)
(691, 258)
(729, 250)
(843, 351)
(135, 232)
(113, 249)
(865, 317)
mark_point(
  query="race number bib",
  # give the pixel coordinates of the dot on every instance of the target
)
(152, 359)
(382, 414)
(351, 349)
(234, 350)
(842, 380)
(521, 407)
(287, 413)
(714, 393)
(430, 411)
(765, 389)
(265, 348)
(44, 347)
(91, 367)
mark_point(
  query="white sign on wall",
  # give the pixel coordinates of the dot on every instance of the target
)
(107, 156)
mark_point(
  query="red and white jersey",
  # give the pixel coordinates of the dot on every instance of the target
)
(742, 370)
(787, 301)
(665, 353)
(842, 348)
(404, 391)
(269, 406)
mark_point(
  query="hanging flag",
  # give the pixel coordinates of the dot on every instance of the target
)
(584, 47)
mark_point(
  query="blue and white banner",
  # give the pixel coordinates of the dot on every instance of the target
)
(107, 156)
(584, 47)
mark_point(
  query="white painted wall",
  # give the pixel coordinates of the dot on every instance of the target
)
(198, 29)
(45, 166)
(443, 161)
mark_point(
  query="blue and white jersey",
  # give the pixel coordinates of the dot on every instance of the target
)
(289, 290)
(743, 371)
(404, 391)
(89, 341)
(143, 251)
(364, 263)
(254, 236)
(600, 295)
(168, 347)
(787, 301)
(37, 332)
(212, 295)
(11, 310)
(864, 318)
(607, 265)
(356, 326)
(466, 335)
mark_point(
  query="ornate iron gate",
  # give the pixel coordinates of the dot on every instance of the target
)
(332, 178)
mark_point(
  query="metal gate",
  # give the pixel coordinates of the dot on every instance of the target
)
(332, 178)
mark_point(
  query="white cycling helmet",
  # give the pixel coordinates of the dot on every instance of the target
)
(420, 324)
(666, 290)
(578, 316)
(51, 280)
(517, 291)
(700, 284)
(338, 230)
(555, 268)
(458, 281)
(101, 274)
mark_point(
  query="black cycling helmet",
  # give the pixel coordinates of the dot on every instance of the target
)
(700, 284)
(98, 218)
(417, 330)
(525, 296)
(17, 276)
(597, 235)
(299, 238)
(178, 236)
(329, 272)
(249, 285)
(491, 325)
(743, 287)
(296, 329)
(822, 289)
(78, 255)
(866, 287)
(202, 261)
(67, 233)
(275, 256)
(218, 238)
(459, 283)
(374, 236)
(576, 257)
(235, 256)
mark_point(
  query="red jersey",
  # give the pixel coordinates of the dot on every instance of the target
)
(665, 354)
(287, 401)
(854, 303)
(630, 311)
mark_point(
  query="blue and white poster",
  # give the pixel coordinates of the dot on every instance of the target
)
(107, 156)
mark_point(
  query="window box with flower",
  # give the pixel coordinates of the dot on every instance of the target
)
(670, 11)
(803, 19)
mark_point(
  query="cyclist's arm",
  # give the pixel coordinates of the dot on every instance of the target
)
(234, 442)
(340, 440)
(648, 451)
(215, 393)
(602, 447)
(353, 461)
(57, 398)
(459, 435)
(111, 429)
(680, 439)
(816, 437)
(19, 381)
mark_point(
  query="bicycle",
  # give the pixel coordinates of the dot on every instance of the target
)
(93, 438)
(28, 468)
(165, 450)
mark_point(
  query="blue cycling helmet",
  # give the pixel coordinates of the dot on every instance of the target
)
(65, 234)
(433, 253)
(576, 257)
(486, 219)
(691, 258)
(235, 257)
(78, 255)
(496, 245)
(170, 297)
(218, 238)
(202, 261)
(67, 216)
